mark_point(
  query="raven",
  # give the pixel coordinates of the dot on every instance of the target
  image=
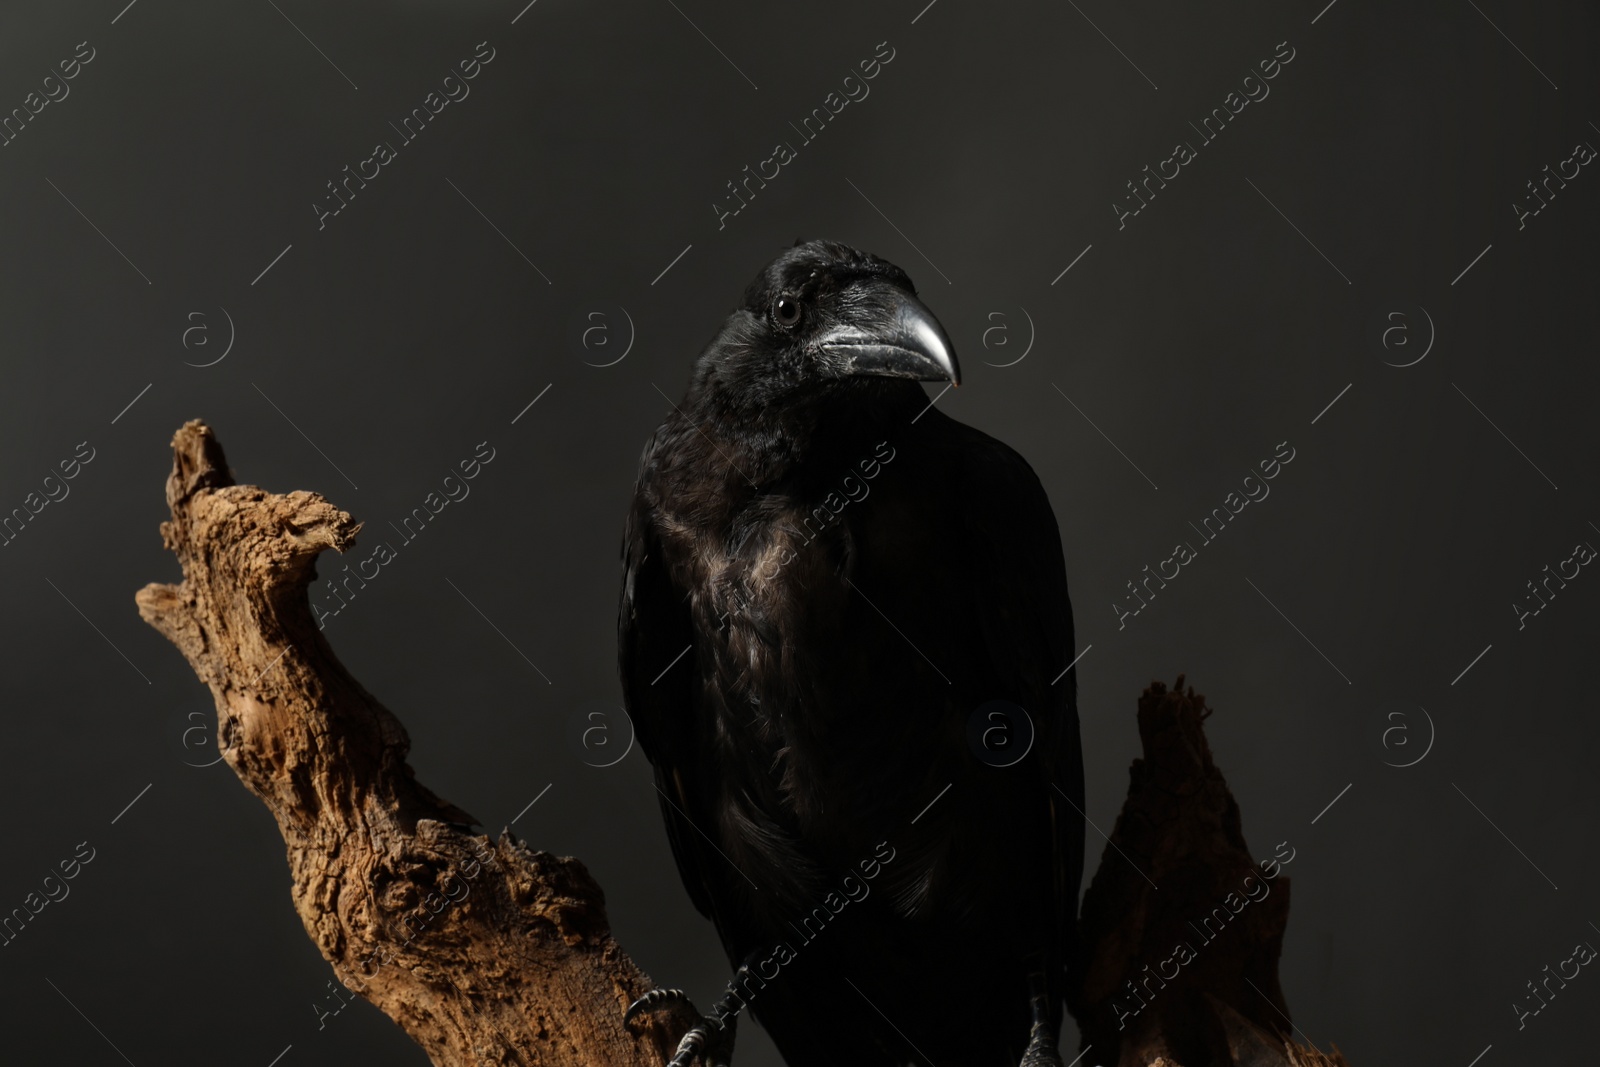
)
(843, 626)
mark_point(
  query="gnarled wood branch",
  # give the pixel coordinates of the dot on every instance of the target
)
(483, 951)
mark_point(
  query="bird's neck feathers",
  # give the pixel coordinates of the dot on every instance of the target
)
(775, 433)
(774, 409)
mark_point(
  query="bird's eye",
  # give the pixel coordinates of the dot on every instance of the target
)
(786, 311)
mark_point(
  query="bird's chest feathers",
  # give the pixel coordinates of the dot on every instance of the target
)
(773, 568)
(782, 635)
(775, 590)
(774, 609)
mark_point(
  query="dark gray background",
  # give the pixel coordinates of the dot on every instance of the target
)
(1197, 338)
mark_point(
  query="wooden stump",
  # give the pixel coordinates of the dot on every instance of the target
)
(1181, 929)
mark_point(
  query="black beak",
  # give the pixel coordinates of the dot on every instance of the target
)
(887, 332)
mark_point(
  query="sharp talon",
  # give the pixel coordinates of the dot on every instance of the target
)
(689, 1048)
(709, 1043)
(654, 1001)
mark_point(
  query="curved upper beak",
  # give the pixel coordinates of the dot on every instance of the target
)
(891, 334)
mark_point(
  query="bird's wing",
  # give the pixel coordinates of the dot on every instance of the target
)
(1025, 619)
(655, 633)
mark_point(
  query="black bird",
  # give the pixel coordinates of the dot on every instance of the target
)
(844, 626)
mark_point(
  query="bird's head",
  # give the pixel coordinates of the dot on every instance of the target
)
(824, 316)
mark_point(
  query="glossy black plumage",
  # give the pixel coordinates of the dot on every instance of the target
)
(853, 576)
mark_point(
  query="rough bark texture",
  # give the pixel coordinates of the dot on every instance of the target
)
(1176, 872)
(488, 953)
(484, 952)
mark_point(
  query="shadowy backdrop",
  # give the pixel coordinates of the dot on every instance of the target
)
(1348, 264)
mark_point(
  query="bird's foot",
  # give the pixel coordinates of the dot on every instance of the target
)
(1041, 1052)
(710, 1041)
(1042, 1038)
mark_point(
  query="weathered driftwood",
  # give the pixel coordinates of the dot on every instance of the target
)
(1181, 928)
(484, 952)
(488, 953)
